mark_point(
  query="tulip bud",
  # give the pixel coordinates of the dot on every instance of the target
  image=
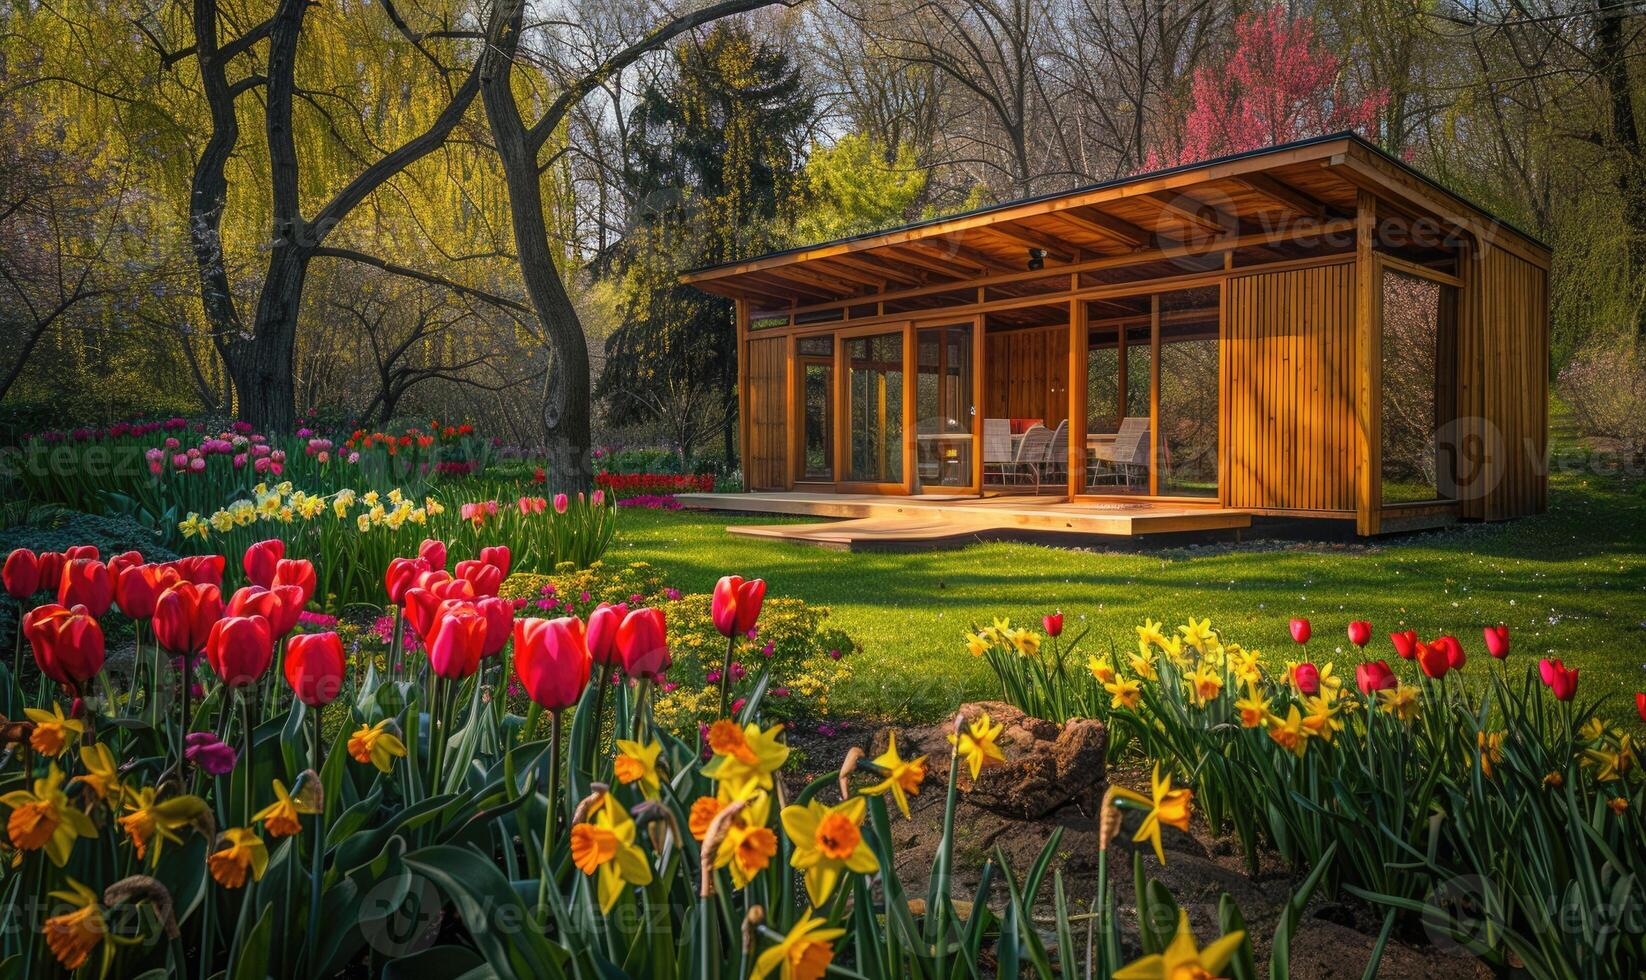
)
(458, 642)
(1497, 640)
(1053, 623)
(21, 574)
(1300, 630)
(1360, 632)
(298, 572)
(1405, 643)
(260, 560)
(86, 582)
(315, 667)
(497, 556)
(642, 642)
(240, 648)
(602, 633)
(551, 659)
(486, 579)
(736, 604)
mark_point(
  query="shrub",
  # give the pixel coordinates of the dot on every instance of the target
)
(624, 485)
(638, 461)
(1606, 389)
(570, 590)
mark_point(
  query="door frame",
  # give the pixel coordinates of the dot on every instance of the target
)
(975, 321)
(842, 422)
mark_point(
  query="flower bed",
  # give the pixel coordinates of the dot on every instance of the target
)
(625, 485)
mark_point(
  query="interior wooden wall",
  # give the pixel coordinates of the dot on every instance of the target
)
(1028, 374)
(1289, 367)
(765, 405)
(1503, 386)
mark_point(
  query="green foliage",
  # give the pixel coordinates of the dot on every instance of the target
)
(633, 583)
(856, 186)
(56, 528)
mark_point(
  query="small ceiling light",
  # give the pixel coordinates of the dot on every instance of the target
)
(1037, 259)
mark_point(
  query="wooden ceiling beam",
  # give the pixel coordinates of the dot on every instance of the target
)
(796, 291)
(1195, 212)
(815, 276)
(846, 273)
(955, 252)
(1029, 238)
(930, 263)
(1109, 226)
(1287, 196)
(870, 267)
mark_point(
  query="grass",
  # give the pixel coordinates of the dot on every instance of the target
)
(1570, 583)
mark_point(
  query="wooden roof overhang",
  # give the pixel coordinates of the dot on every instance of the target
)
(1280, 199)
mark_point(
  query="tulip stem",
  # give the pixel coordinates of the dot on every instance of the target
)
(546, 869)
(251, 767)
(318, 847)
(593, 754)
(726, 675)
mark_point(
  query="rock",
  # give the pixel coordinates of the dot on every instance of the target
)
(1047, 766)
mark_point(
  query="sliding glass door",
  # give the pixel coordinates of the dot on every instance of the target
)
(874, 368)
(945, 408)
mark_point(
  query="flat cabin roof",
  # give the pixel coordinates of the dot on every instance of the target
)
(1260, 198)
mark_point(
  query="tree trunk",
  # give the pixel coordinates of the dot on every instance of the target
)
(566, 390)
(264, 364)
(1625, 133)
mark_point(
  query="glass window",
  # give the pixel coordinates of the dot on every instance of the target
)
(1187, 427)
(943, 407)
(874, 377)
(1415, 396)
(819, 345)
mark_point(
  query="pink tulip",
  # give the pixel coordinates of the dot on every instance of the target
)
(433, 552)
(1497, 640)
(736, 604)
(643, 643)
(603, 626)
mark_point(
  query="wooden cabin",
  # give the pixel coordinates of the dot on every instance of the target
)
(1309, 330)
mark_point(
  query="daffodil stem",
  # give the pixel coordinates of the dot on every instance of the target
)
(726, 676)
(945, 847)
(317, 847)
(546, 868)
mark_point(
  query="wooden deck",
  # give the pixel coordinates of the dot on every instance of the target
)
(867, 521)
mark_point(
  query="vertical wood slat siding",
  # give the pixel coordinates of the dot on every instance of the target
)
(1028, 372)
(1503, 409)
(766, 464)
(1289, 367)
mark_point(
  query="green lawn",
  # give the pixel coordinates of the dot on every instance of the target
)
(1570, 584)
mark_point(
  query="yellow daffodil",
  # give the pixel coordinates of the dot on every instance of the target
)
(804, 954)
(1124, 693)
(1619, 805)
(1611, 766)
(1182, 960)
(828, 841)
(1491, 751)
(1142, 664)
(902, 777)
(152, 821)
(1165, 805)
(1174, 650)
(43, 817)
(1322, 720)
(603, 847)
(1593, 730)
(976, 744)
(102, 772)
(377, 745)
(1101, 669)
(749, 844)
(1254, 708)
(280, 818)
(1027, 642)
(636, 763)
(1196, 634)
(243, 851)
(1289, 732)
(72, 935)
(192, 526)
(1150, 633)
(745, 755)
(704, 810)
(1204, 685)
(976, 645)
(54, 733)
(1245, 665)
(1401, 701)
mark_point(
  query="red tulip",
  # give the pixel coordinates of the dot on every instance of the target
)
(86, 582)
(1053, 623)
(1562, 680)
(1497, 640)
(551, 658)
(1455, 657)
(81, 551)
(1405, 643)
(433, 552)
(603, 625)
(298, 572)
(314, 667)
(1360, 632)
(455, 588)
(431, 578)
(67, 643)
(498, 556)
(457, 643)
(1434, 659)
(280, 605)
(123, 561)
(486, 579)
(422, 609)
(1640, 705)
(737, 604)
(51, 569)
(21, 574)
(643, 643)
(184, 615)
(1307, 678)
(137, 587)
(499, 615)
(1300, 630)
(260, 559)
(201, 569)
(240, 649)
(402, 575)
(1375, 676)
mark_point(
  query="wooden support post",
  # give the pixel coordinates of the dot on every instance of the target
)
(741, 323)
(1154, 396)
(1369, 372)
(1077, 397)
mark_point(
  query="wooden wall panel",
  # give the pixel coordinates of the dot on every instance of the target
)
(1028, 374)
(1288, 365)
(765, 464)
(1503, 386)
